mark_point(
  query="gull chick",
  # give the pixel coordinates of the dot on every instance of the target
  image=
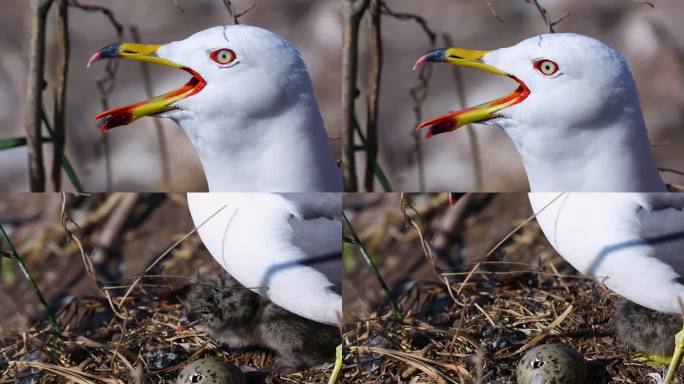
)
(238, 317)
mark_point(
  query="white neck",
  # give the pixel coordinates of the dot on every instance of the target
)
(613, 158)
(285, 152)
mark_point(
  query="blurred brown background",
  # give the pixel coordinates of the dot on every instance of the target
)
(649, 37)
(313, 26)
(121, 233)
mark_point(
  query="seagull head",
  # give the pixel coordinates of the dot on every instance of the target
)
(560, 77)
(225, 64)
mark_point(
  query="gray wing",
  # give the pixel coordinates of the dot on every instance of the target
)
(319, 232)
(661, 221)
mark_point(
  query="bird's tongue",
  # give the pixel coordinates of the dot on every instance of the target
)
(454, 120)
(127, 114)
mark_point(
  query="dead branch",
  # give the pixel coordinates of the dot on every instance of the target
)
(106, 84)
(34, 99)
(234, 14)
(352, 12)
(472, 134)
(373, 92)
(418, 93)
(161, 137)
(545, 15)
(493, 10)
(59, 132)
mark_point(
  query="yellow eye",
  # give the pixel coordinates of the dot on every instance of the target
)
(546, 67)
(223, 56)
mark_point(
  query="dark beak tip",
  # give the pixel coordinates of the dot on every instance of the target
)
(434, 56)
(109, 52)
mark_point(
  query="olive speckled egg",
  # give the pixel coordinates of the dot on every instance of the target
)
(552, 364)
(210, 371)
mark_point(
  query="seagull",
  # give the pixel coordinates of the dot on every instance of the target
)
(576, 122)
(248, 109)
(633, 242)
(574, 117)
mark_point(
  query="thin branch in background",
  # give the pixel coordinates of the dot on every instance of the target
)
(14, 255)
(233, 13)
(472, 134)
(175, 2)
(106, 84)
(644, 2)
(545, 15)
(373, 92)
(352, 13)
(34, 94)
(161, 137)
(418, 93)
(87, 262)
(64, 160)
(62, 68)
(493, 10)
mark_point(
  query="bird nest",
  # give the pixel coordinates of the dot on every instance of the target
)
(472, 323)
(146, 340)
(479, 331)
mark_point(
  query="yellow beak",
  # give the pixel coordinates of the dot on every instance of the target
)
(468, 58)
(146, 53)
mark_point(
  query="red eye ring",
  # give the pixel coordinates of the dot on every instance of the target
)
(546, 67)
(223, 56)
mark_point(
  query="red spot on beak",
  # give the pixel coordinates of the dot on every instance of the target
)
(440, 124)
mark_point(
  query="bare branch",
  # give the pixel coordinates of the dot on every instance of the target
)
(161, 139)
(106, 84)
(373, 92)
(472, 134)
(493, 10)
(34, 99)
(234, 14)
(418, 93)
(352, 12)
(545, 15)
(104, 10)
(59, 133)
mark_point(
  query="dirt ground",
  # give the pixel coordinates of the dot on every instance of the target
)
(497, 305)
(142, 338)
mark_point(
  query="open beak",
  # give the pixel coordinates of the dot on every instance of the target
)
(471, 59)
(147, 53)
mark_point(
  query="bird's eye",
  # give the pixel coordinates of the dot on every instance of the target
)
(223, 56)
(546, 67)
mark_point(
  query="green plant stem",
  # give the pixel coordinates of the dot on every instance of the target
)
(377, 169)
(366, 256)
(15, 255)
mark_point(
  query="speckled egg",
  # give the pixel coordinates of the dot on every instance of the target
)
(210, 371)
(552, 364)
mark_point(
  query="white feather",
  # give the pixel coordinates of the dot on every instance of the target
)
(285, 247)
(633, 240)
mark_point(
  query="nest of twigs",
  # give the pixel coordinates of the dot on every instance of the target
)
(147, 340)
(125, 326)
(482, 337)
(478, 327)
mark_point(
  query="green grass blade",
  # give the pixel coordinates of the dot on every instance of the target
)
(15, 256)
(377, 169)
(71, 174)
(12, 142)
(366, 256)
(66, 165)
(16, 142)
